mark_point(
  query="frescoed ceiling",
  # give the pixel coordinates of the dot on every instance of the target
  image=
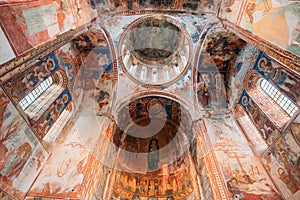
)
(155, 51)
(155, 99)
(151, 162)
(189, 5)
(217, 59)
(158, 47)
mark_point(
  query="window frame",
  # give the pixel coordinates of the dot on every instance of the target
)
(31, 97)
(288, 106)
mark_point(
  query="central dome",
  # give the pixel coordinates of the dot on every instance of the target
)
(155, 51)
(155, 40)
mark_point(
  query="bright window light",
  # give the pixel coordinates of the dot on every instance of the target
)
(33, 95)
(279, 98)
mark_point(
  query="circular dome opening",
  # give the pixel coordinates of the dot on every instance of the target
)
(155, 51)
(155, 40)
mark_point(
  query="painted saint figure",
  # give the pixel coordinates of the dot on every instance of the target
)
(153, 154)
(16, 160)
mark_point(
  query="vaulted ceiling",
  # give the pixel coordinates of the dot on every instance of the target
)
(146, 97)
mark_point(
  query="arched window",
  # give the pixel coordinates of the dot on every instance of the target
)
(277, 107)
(33, 95)
(38, 100)
(285, 104)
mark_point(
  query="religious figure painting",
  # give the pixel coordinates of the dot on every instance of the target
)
(16, 160)
(22, 155)
(153, 155)
(268, 130)
(295, 130)
(62, 176)
(42, 21)
(272, 71)
(160, 186)
(103, 91)
(283, 161)
(244, 175)
(90, 39)
(272, 20)
(52, 114)
(245, 60)
(70, 61)
(246, 178)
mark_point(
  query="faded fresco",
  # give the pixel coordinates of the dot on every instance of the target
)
(78, 88)
(254, 156)
(83, 10)
(98, 68)
(101, 161)
(244, 175)
(99, 91)
(273, 72)
(267, 129)
(177, 186)
(4, 196)
(6, 51)
(122, 5)
(64, 171)
(207, 191)
(229, 8)
(165, 149)
(156, 4)
(95, 180)
(256, 103)
(22, 155)
(282, 161)
(116, 26)
(23, 83)
(78, 172)
(276, 21)
(183, 87)
(41, 21)
(202, 173)
(70, 61)
(219, 53)
(252, 133)
(45, 110)
(52, 114)
(238, 70)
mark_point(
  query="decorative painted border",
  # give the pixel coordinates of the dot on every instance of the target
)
(193, 173)
(214, 173)
(25, 61)
(114, 59)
